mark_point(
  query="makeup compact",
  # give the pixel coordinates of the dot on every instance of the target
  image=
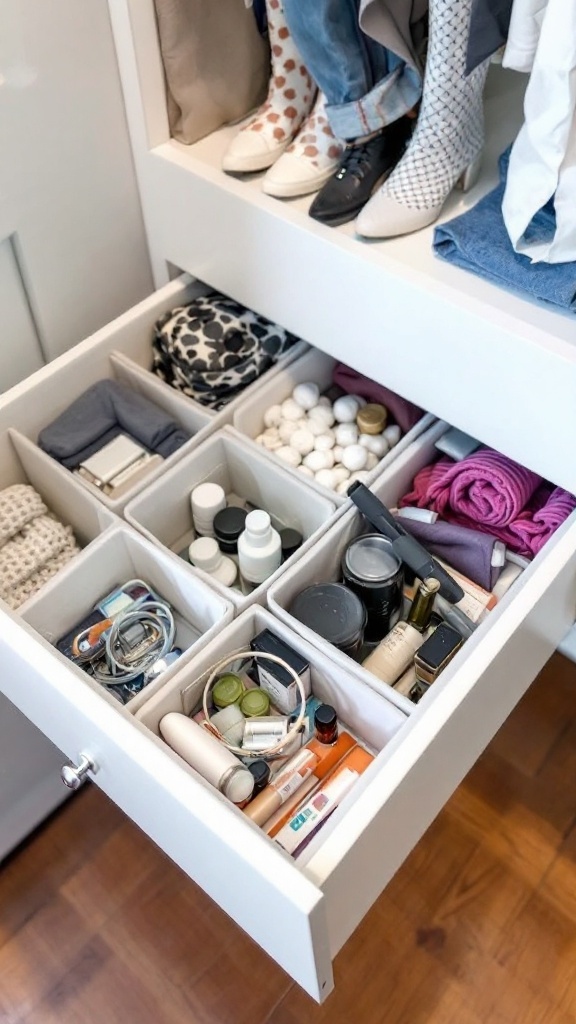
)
(433, 656)
(333, 611)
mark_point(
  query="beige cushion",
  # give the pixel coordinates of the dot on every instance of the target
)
(216, 64)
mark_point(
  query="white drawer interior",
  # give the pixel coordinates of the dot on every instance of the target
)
(163, 511)
(118, 556)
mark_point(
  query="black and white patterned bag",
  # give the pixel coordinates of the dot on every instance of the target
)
(213, 348)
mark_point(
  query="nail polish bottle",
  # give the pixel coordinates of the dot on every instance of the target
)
(395, 652)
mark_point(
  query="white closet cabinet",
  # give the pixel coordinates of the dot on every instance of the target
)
(493, 364)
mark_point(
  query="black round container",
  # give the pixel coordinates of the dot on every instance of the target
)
(335, 613)
(290, 540)
(260, 771)
(228, 525)
(371, 568)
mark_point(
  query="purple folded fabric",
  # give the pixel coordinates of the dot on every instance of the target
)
(468, 551)
(404, 413)
(487, 491)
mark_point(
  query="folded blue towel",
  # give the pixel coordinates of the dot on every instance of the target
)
(478, 241)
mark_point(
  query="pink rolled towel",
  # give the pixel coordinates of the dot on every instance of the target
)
(485, 486)
(487, 491)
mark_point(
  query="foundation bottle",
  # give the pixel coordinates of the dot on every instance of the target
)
(396, 651)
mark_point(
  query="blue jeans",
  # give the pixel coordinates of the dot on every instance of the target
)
(366, 86)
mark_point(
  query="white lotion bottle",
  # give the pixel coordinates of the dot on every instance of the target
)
(211, 759)
(259, 548)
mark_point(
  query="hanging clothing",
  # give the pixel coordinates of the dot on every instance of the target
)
(367, 86)
(489, 24)
(542, 167)
(399, 25)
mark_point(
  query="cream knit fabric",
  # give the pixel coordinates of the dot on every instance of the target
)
(34, 545)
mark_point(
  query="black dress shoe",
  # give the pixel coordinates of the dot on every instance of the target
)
(363, 167)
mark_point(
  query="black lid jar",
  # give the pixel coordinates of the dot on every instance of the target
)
(334, 612)
(228, 525)
(372, 569)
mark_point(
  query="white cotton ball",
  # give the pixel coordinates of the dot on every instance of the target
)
(259, 439)
(337, 452)
(271, 439)
(324, 400)
(324, 413)
(302, 441)
(342, 487)
(286, 429)
(341, 474)
(319, 460)
(305, 471)
(322, 442)
(273, 416)
(289, 455)
(392, 434)
(325, 477)
(346, 433)
(316, 425)
(354, 457)
(375, 443)
(306, 394)
(345, 409)
(362, 476)
(371, 461)
(291, 410)
(361, 401)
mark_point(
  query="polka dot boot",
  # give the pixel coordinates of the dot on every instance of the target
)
(290, 98)
(310, 159)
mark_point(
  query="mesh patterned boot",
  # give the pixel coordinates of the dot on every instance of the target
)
(290, 99)
(310, 159)
(446, 147)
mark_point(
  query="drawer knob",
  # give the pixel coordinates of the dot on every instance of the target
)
(73, 775)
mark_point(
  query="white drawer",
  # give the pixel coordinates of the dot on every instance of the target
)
(301, 913)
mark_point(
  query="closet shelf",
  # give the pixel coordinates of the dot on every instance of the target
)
(495, 364)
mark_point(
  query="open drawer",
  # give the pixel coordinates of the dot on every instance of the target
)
(303, 912)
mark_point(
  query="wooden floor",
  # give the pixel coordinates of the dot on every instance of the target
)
(98, 927)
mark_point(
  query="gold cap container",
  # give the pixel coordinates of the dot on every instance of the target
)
(422, 606)
(371, 418)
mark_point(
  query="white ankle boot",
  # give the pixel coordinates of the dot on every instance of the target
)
(290, 98)
(310, 159)
(446, 147)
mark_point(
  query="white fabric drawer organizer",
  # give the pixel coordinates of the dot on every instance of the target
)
(474, 355)
(163, 513)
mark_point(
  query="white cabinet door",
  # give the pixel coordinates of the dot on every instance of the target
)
(73, 250)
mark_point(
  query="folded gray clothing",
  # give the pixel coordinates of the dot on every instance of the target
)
(104, 411)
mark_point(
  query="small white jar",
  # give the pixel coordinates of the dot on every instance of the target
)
(205, 554)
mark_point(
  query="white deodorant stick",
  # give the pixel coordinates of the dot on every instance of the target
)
(211, 759)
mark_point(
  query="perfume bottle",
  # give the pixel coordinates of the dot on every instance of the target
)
(396, 651)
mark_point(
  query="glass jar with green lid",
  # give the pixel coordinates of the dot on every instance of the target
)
(255, 703)
(228, 689)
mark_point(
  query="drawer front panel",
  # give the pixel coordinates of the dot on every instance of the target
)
(249, 877)
(447, 733)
